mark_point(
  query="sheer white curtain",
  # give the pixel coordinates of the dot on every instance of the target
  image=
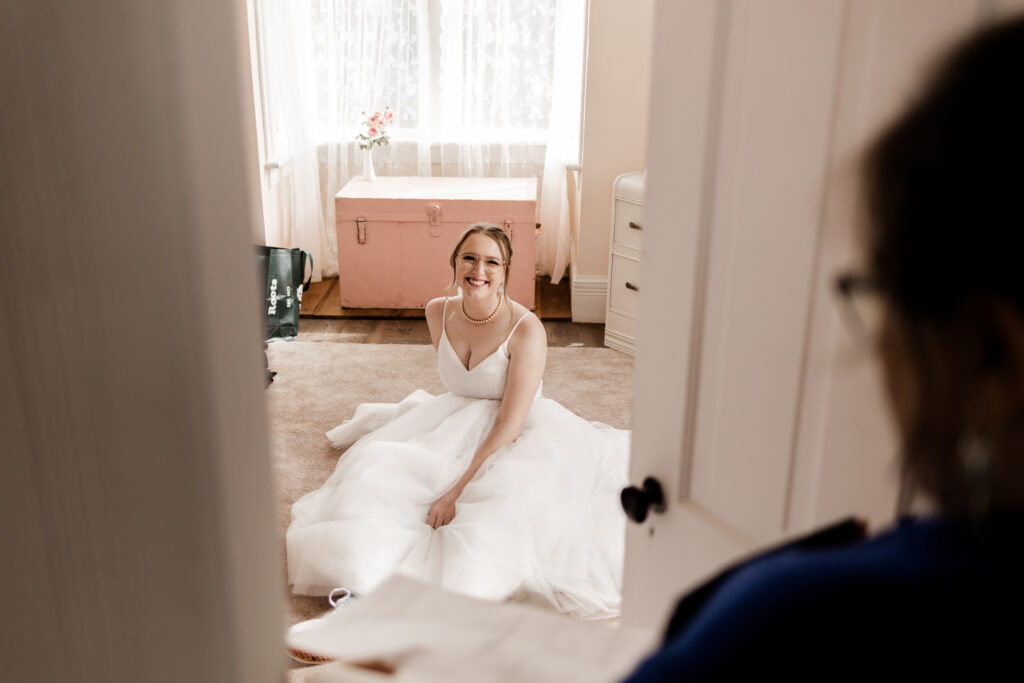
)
(291, 141)
(479, 88)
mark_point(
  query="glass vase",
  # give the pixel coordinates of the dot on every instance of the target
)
(368, 172)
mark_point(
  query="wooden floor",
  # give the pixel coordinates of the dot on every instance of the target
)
(323, 319)
(412, 331)
(322, 300)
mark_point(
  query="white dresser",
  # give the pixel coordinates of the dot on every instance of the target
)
(624, 262)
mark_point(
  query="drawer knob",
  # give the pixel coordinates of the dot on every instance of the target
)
(635, 226)
(630, 285)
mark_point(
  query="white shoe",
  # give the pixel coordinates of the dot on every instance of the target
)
(337, 597)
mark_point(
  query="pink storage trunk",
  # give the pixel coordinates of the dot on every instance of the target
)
(395, 235)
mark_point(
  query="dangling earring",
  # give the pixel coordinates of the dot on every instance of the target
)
(975, 453)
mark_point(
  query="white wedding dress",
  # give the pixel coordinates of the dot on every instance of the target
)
(541, 516)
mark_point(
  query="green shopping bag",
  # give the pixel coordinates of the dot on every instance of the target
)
(281, 271)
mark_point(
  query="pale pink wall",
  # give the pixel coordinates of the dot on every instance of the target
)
(614, 116)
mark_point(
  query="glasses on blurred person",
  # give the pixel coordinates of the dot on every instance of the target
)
(862, 306)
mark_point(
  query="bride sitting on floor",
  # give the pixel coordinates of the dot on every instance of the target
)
(490, 489)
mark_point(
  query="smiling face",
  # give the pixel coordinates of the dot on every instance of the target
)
(479, 266)
(481, 260)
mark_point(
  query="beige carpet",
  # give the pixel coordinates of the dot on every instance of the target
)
(319, 384)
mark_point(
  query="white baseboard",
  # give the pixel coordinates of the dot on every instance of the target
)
(622, 342)
(589, 298)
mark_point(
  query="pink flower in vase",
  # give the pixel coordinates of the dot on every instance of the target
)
(375, 129)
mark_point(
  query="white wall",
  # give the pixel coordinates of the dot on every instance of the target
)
(617, 87)
(138, 533)
(618, 71)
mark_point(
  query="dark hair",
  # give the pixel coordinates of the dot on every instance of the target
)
(944, 186)
(944, 182)
(496, 234)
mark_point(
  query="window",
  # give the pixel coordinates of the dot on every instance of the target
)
(460, 71)
(478, 88)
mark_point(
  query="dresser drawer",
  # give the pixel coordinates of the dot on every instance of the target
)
(622, 326)
(624, 285)
(628, 223)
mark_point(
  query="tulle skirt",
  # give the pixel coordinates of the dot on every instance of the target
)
(541, 516)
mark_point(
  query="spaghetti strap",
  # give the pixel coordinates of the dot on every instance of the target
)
(527, 314)
(444, 313)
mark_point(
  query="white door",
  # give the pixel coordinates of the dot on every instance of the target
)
(139, 527)
(754, 410)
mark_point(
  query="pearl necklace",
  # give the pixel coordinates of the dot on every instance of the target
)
(485, 320)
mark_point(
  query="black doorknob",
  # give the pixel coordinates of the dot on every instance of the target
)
(636, 502)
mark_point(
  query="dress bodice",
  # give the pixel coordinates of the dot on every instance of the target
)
(485, 380)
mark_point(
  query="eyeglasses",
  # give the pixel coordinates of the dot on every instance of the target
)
(863, 305)
(491, 264)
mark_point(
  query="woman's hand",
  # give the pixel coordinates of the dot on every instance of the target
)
(528, 348)
(443, 510)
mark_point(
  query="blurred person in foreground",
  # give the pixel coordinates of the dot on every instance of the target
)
(938, 594)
